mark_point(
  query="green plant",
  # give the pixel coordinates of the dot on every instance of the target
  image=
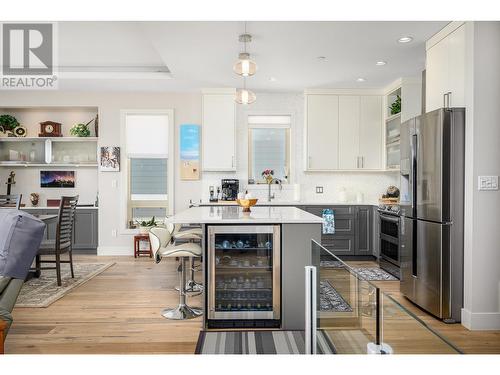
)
(150, 223)
(8, 122)
(396, 106)
(81, 130)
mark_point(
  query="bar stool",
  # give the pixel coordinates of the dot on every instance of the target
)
(161, 245)
(191, 235)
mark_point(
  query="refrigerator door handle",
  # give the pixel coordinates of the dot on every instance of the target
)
(413, 172)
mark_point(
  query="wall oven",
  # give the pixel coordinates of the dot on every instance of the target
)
(389, 243)
(244, 278)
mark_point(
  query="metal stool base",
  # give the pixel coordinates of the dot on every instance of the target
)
(182, 312)
(194, 287)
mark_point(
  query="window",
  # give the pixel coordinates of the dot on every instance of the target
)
(149, 186)
(269, 146)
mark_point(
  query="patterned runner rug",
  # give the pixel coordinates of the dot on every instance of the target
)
(364, 273)
(330, 299)
(259, 342)
(42, 292)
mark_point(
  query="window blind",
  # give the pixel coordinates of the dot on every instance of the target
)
(147, 135)
(269, 151)
(148, 179)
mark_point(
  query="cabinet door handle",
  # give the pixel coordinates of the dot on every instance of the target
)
(357, 162)
(232, 161)
(447, 100)
(362, 161)
(308, 162)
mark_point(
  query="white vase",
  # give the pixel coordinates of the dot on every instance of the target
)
(144, 230)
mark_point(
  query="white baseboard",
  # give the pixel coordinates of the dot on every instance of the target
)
(480, 321)
(115, 251)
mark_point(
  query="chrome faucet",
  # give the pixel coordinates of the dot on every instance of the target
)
(269, 196)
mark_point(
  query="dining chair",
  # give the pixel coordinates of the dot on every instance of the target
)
(63, 241)
(10, 201)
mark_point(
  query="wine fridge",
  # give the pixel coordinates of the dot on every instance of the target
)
(244, 276)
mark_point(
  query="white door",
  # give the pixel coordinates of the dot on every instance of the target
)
(349, 132)
(322, 123)
(436, 81)
(370, 132)
(218, 132)
(456, 69)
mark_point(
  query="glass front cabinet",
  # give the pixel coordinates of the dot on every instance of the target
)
(244, 276)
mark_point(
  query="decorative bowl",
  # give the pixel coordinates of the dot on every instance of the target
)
(246, 203)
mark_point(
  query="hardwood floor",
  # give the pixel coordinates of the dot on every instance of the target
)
(118, 312)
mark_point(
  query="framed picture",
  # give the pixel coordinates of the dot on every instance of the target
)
(190, 152)
(110, 159)
(57, 179)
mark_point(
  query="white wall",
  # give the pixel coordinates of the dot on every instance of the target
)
(482, 234)
(187, 109)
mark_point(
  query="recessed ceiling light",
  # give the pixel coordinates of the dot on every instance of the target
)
(361, 79)
(321, 58)
(272, 79)
(405, 39)
(380, 63)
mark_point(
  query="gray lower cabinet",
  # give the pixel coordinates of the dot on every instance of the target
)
(85, 233)
(353, 229)
(363, 240)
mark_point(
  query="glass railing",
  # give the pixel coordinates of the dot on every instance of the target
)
(353, 315)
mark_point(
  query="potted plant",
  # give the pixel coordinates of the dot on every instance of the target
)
(145, 226)
(81, 130)
(396, 106)
(268, 175)
(7, 124)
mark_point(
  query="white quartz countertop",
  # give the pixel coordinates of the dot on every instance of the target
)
(291, 203)
(235, 215)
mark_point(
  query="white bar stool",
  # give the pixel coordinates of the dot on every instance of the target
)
(161, 245)
(192, 235)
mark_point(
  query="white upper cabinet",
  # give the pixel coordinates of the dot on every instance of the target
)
(370, 132)
(349, 117)
(322, 130)
(218, 132)
(344, 132)
(445, 69)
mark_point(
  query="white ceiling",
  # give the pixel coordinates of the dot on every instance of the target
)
(201, 54)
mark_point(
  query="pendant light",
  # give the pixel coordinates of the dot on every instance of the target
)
(245, 96)
(245, 67)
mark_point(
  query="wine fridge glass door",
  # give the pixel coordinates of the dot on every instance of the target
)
(244, 272)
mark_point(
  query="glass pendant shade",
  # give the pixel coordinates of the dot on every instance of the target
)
(244, 96)
(244, 66)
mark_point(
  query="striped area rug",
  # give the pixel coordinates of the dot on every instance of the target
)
(258, 342)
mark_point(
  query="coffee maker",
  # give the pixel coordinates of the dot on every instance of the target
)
(230, 188)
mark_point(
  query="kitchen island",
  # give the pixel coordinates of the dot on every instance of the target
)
(253, 264)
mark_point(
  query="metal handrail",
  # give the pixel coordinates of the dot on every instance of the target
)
(311, 310)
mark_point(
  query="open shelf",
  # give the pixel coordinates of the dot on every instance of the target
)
(44, 165)
(393, 117)
(53, 139)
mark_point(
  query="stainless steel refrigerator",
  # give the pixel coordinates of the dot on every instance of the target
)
(432, 211)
